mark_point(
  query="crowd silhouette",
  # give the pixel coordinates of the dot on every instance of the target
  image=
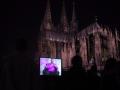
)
(19, 72)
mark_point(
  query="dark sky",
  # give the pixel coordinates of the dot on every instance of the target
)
(22, 18)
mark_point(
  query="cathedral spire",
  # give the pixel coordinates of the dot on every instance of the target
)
(64, 18)
(74, 25)
(47, 20)
(96, 19)
(73, 13)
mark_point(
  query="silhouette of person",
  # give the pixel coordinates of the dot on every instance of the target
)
(18, 70)
(93, 78)
(118, 74)
(110, 75)
(76, 76)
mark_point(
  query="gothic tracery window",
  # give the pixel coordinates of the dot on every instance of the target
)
(104, 47)
(91, 45)
(118, 48)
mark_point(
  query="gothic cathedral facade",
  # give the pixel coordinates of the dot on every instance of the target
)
(65, 40)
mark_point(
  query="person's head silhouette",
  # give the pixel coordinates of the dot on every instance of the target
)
(110, 63)
(76, 61)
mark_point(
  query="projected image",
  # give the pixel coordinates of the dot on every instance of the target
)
(50, 66)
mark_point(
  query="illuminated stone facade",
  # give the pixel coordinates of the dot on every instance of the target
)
(60, 41)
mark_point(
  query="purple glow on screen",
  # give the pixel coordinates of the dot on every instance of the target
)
(50, 67)
(46, 64)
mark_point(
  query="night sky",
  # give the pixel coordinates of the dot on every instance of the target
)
(23, 18)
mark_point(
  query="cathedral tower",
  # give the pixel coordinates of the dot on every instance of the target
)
(47, 20)
(73, 23)
(63, 20)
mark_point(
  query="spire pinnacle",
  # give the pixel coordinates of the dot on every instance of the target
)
(64, 18)
(96, 18)
(48, 11)
(73, 14)
(74, 21)
(47, 20)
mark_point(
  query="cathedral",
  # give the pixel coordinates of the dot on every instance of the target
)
(65, 40)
